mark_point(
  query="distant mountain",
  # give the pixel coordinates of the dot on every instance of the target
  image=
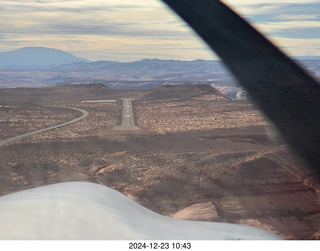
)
(30, 57)
(148, 66)
(195, 71)
(38, 66)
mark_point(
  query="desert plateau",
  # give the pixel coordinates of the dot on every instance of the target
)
(190, 153)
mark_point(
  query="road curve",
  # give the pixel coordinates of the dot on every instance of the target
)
(84, 114)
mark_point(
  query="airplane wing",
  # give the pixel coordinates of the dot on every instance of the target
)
(87, 211)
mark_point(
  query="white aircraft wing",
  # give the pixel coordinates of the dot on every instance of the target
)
(88, 211)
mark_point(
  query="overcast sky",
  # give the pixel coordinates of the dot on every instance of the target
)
(127, 30)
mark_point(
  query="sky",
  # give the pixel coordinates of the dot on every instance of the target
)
(127, 30)
(293, 25)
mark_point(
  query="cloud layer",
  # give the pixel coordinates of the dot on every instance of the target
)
(127, 30)
(99, 29)
(293, 21)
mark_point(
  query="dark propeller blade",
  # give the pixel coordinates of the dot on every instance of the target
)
(281, 89)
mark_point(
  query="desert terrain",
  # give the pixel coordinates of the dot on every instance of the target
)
(193, 153)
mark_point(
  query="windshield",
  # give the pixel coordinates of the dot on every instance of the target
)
(127, 96)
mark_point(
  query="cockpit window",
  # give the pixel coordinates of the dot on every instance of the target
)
(127, 96)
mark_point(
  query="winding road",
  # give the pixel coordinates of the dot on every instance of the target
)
(84, 114)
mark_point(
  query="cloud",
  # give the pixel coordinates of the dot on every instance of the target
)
(298, 46)
(292, 24)
(100, 47)
(287, 25)
(255, 8)
(260, 2)
(296, 17)
(88, 17)
(99, 29)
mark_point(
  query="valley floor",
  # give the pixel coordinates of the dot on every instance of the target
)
(198, 157)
